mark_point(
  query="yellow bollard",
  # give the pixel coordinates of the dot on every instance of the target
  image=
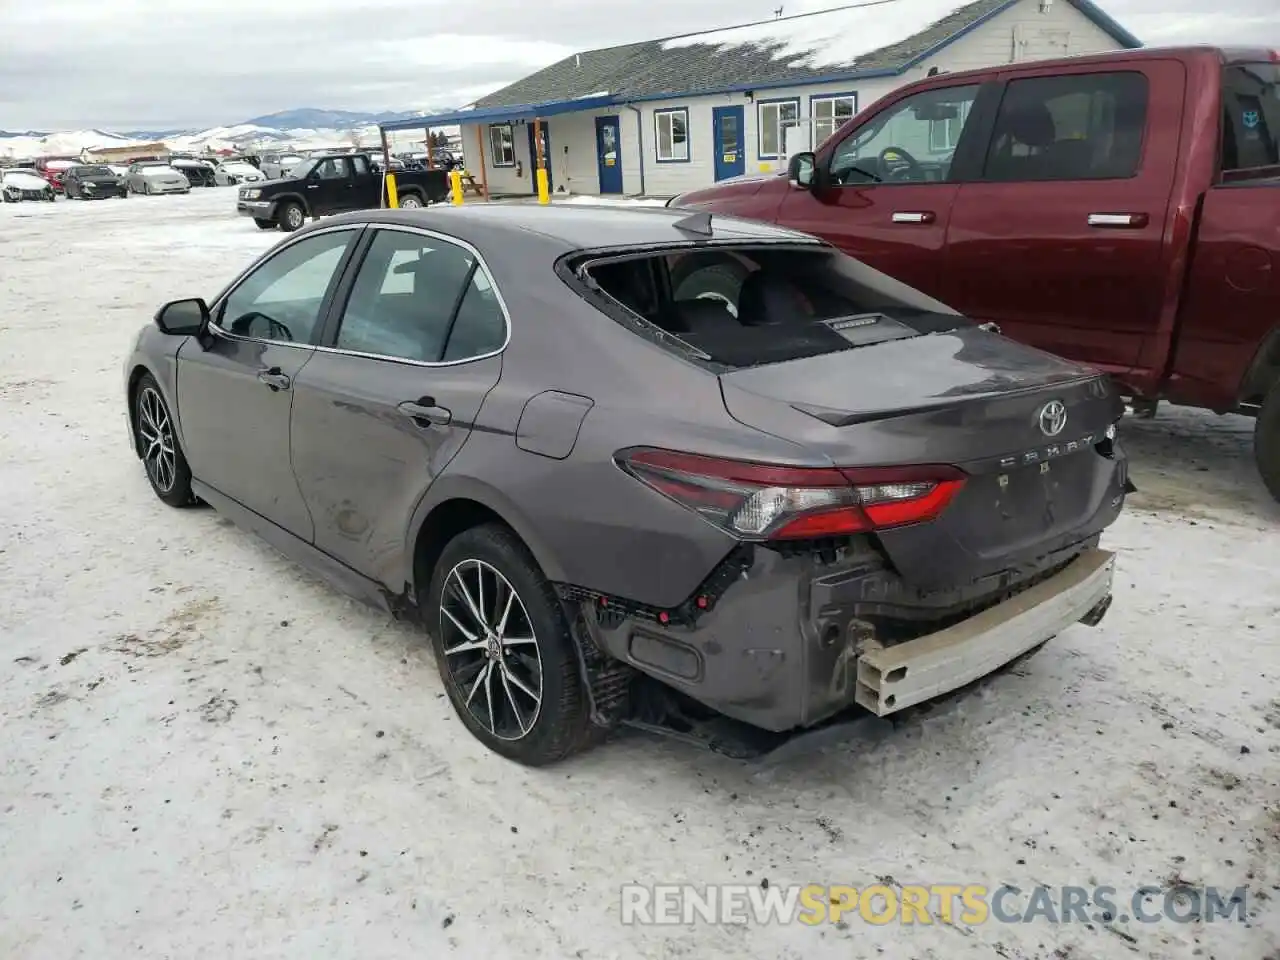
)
(393, 199)
(455, 185)
(544, 187)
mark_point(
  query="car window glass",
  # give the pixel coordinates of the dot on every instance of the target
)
(1251, 124)
(1085, 126)
(361, 165)
(911, 142)
(331, 169)
(481, 326)
(404, 297)
(281, 299)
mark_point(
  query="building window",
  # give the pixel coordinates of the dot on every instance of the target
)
(502, 145)
(775, 117)
(830, 113)
(672, 127)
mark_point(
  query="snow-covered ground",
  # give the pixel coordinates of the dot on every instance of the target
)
(205, 752)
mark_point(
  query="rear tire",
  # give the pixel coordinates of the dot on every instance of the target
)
(291, 217)
(1266, 441)
(532, 644)
(264, 224)
(410, 201)
(157, 441)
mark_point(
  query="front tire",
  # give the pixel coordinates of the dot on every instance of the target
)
(291, 217)
(503, 648)
(157, 442)
(1266, 441)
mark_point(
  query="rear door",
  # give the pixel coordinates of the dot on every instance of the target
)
(393, 391)
(890, 183)
(366, 186)
(1061, 240)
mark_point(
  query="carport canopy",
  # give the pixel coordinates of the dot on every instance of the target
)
(508, 114)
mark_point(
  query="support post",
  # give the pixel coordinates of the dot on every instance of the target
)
(484, 165)
(544, 185)
(389, 197)
(430, 162)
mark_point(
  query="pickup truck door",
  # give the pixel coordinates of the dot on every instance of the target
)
(366, 186)
(1060, 238)
(884, 191)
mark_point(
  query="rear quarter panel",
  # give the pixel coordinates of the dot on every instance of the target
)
(1231, 306)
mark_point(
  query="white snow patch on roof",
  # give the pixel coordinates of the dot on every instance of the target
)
(830, 38)
(598, 93)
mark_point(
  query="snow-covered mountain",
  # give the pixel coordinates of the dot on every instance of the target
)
(304, 129)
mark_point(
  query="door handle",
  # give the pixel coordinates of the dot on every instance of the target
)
(922, 216)
(1121, 220)
(424, 411)
(313, 186)
(274, 378)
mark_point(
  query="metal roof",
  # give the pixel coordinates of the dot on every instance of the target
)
(503, 114)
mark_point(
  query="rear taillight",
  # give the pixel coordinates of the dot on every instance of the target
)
(758, 501)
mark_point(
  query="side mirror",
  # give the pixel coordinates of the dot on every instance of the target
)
(183, 318)
(800, 170)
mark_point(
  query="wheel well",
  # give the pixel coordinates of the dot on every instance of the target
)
(1264, 371)
(445, 521)
(135, 377)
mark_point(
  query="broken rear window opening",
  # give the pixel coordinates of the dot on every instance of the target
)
(768, 304)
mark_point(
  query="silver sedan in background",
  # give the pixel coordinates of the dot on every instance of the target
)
(155, 177)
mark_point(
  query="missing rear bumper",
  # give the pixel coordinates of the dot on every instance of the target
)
(893, 678)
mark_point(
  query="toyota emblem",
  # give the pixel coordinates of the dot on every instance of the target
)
(1053, 418)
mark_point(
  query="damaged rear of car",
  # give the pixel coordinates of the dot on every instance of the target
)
(938, 515)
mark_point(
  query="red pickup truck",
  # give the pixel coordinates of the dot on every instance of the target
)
(1122, 210)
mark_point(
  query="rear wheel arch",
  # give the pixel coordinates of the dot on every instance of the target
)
(1264, 372)
(447, 512)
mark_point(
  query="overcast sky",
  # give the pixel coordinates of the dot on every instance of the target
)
(139, 64)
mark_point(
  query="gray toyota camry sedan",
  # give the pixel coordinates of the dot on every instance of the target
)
(607, 505)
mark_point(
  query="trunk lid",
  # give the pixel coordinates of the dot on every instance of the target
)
(1027, 427)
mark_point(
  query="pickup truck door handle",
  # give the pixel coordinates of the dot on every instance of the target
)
(313, 186)
(922, 216)
(424, 412)
(1120, 220)
(274, 378)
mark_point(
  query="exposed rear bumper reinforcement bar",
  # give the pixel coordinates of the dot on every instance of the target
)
(894, 678)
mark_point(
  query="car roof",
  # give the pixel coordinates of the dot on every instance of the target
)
(579, 226)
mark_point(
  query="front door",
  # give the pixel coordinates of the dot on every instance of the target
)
(234, 398)
(731, 159)
(546, 156)
(328, 186)
(414, 352)
(608, 155)
(888, 186)
(1061, 241)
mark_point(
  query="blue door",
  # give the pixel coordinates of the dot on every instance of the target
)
(609, 154)
(546, 157)
(730, 151)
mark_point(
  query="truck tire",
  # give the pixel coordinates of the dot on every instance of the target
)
(714, 277)
(264, 224)
(291, 216)
(1266, 441)
(410, 201)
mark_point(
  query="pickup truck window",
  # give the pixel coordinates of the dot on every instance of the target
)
(1085, 126)
(1251, 121)
(911, 142)
(361, 165)
(331, 169)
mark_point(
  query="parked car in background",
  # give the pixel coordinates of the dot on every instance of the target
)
(334, 184)
(848, 496)
(155, 176)
(24, 183)
(233, 172)
(52, 169)
(277, 165)
(199, 173)
(1118, 209)
(92, 182)
(121, 170)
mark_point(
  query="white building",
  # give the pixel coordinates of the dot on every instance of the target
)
(664, 116)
